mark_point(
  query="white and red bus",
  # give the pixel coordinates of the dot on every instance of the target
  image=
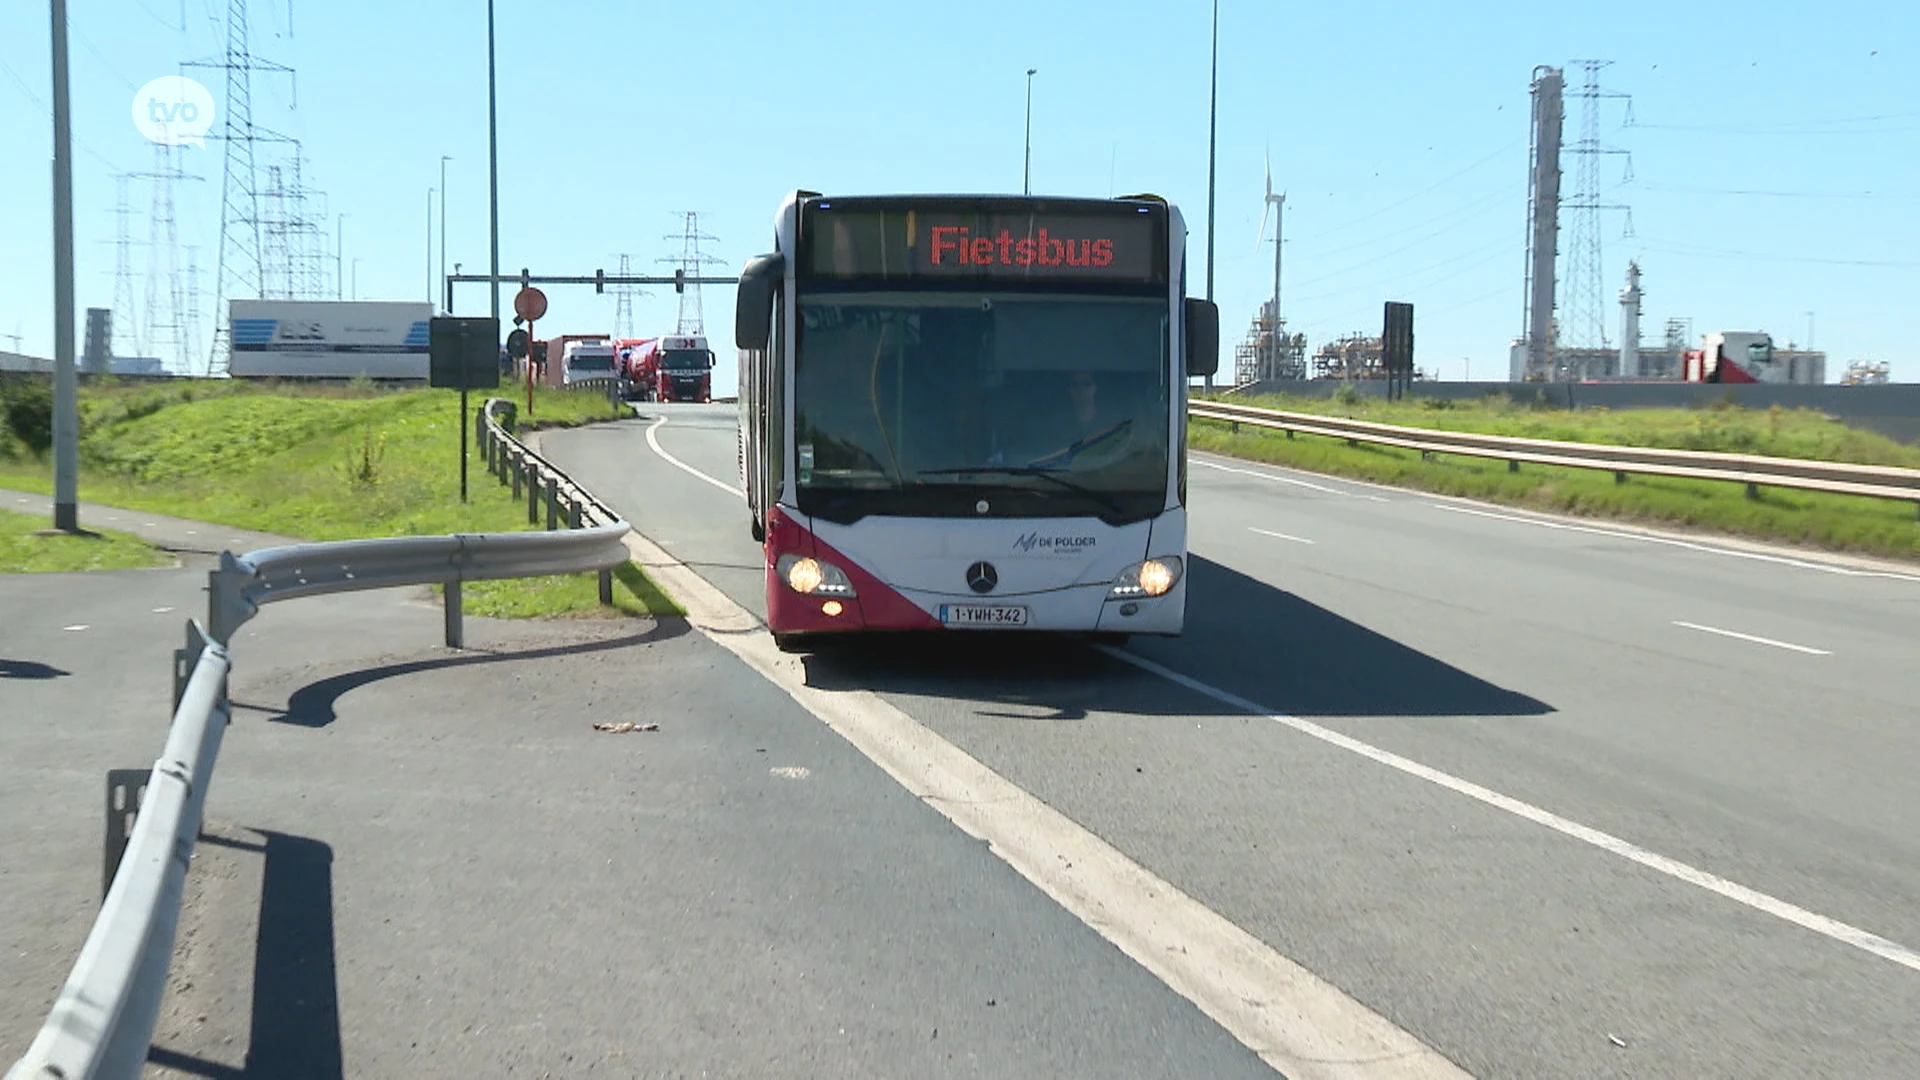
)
(969, 412)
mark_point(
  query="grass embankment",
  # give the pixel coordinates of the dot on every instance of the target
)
(24, 552)
(1834, 522)
(321, 463)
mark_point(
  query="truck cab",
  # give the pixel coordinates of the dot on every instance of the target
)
(684, 369)
(584, 360)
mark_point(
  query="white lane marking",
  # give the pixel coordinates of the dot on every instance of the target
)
(1295, 1021)
(791, 772)
(1740, 894)
(1272, 477)
(80, 626)
(654, 442)
(1295, 481)
(1782, 560)
(1752, 638)
(161, 610)
(1280, 535)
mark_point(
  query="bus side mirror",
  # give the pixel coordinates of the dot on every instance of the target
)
(1203, 337)
(753, 303)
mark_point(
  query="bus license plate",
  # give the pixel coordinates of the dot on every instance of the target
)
(982, 615)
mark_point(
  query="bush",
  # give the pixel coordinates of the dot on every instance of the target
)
(28, 409)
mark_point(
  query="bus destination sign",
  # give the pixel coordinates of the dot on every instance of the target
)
(896, 244)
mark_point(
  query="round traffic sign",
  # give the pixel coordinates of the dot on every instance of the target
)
(530, 303)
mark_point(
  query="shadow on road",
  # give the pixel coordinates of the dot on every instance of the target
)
(1242, 635)
(29, 669)
(1295, 657)
(295, 1030)
(312, 704)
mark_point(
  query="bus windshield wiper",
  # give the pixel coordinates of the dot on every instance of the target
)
(1105, 500)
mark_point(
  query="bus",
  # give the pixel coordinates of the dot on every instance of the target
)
(969, 413)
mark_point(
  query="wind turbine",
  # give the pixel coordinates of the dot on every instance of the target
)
(1275, 206)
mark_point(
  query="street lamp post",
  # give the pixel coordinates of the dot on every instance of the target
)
(1026, 170)
(493, 179)
(430, 192)
(66, 389)
(1213, 127)
(443, 219)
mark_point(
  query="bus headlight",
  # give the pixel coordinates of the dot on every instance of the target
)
(811, 577)
(1155, 577)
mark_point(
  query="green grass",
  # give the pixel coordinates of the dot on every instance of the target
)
(574, 594)
(1832, 522)
(23, 552)
(320, 464)
(1774, 432)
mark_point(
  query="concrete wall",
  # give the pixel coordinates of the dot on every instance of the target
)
(1893, 409)
(13, 361)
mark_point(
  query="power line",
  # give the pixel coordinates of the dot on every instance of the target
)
(41, 104)
(1495, 156)
(1696, 251)
(1780, 194)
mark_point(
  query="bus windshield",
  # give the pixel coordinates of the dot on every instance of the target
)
(935, 404)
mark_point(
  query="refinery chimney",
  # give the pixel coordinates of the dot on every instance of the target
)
(1630, 324)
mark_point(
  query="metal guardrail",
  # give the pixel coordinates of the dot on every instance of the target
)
(1838, 478)
(101, 1025)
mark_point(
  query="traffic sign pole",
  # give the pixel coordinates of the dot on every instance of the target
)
(530, 304)
(463, 429)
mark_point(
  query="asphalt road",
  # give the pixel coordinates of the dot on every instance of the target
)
(425, 863)
(1559, 799)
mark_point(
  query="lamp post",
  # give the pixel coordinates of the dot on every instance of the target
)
(493, 179)
(443, 217)
(430, 192)
(339, 282)
(1213, 127)
(1026, 170)
(66, 389)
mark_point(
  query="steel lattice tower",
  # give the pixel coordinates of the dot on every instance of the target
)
(239, 268)
(125, 316)
(623, 304)
(164, 331)
(691, 259)
(191, 292)
(1585, 323)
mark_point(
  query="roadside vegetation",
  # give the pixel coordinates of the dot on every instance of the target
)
(22, 551)
(1833, 522)
(318, 463)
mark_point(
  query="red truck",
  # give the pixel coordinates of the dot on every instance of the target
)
(678, 367)
(634, 363)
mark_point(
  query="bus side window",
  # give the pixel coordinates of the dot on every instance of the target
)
(773, 368)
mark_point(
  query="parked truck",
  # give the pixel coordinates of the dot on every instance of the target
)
(635, 364)
(582, 360)
(554, 372)
(683, 369)
(1744, 356)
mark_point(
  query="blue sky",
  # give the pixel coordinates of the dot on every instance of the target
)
(1775, 164)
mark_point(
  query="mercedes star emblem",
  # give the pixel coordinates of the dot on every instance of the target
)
(981, 577)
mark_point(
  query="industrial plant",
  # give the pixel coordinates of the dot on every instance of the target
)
(1564, 336)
